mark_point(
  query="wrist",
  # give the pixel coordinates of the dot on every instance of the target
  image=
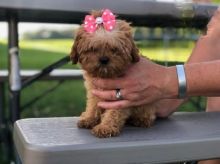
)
(167, 106)
(171, 83)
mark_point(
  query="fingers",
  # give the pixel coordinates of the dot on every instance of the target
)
(110, 95)
(122, 104)
(109, 100)
(107, 84)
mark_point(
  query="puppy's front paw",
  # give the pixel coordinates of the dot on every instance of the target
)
(144, 122)
(87, 123)
(105, 131)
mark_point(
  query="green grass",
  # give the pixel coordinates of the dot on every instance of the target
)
(66, 100)
(33, 56)
(174, 51)
(52, 45)
(38, 53)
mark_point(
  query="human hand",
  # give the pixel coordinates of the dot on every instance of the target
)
(143, 83)
(166, 107)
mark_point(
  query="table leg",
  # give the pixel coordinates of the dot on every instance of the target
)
(14, 70)
(14, 80)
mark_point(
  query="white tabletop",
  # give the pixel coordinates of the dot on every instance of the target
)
(182, 137)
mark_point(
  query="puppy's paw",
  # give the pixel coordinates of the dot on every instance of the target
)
(143, 122)
(105, 131)
(87, 123)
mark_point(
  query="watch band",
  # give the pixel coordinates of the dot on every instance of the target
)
(181, 80)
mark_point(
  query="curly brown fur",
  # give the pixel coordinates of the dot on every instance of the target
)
(107, 55)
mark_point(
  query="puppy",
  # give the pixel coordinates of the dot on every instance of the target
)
(104, 47)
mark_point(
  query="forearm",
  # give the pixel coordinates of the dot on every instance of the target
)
(207, 47)
(166, 107)
(203, 51)
(202, 79)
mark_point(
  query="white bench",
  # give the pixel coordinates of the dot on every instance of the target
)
(182, 137)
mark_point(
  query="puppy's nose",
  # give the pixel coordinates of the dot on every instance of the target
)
(104, 60)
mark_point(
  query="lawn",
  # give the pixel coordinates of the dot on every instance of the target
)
(67, 100)
(43, 51)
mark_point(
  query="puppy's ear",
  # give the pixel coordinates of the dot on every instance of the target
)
(134, 52)
(124, 26)
(74, 54)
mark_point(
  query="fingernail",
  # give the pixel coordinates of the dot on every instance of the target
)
(99, 104)
(94, 92)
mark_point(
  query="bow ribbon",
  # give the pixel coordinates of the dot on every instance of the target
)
(107, 19)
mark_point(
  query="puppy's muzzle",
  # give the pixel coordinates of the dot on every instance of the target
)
(104, 60)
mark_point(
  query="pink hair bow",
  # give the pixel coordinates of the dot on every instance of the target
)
(107, 19)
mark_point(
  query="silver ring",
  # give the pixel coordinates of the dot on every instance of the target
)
(118, 94)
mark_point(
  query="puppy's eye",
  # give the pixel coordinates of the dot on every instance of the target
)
(94, 50)
(91, 50)
(114, 50)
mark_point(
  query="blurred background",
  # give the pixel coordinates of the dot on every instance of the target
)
(42, 44)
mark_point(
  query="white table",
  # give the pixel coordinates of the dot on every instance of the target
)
(182, 137)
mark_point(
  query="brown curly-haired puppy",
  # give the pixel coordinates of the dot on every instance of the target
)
(107, 54)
